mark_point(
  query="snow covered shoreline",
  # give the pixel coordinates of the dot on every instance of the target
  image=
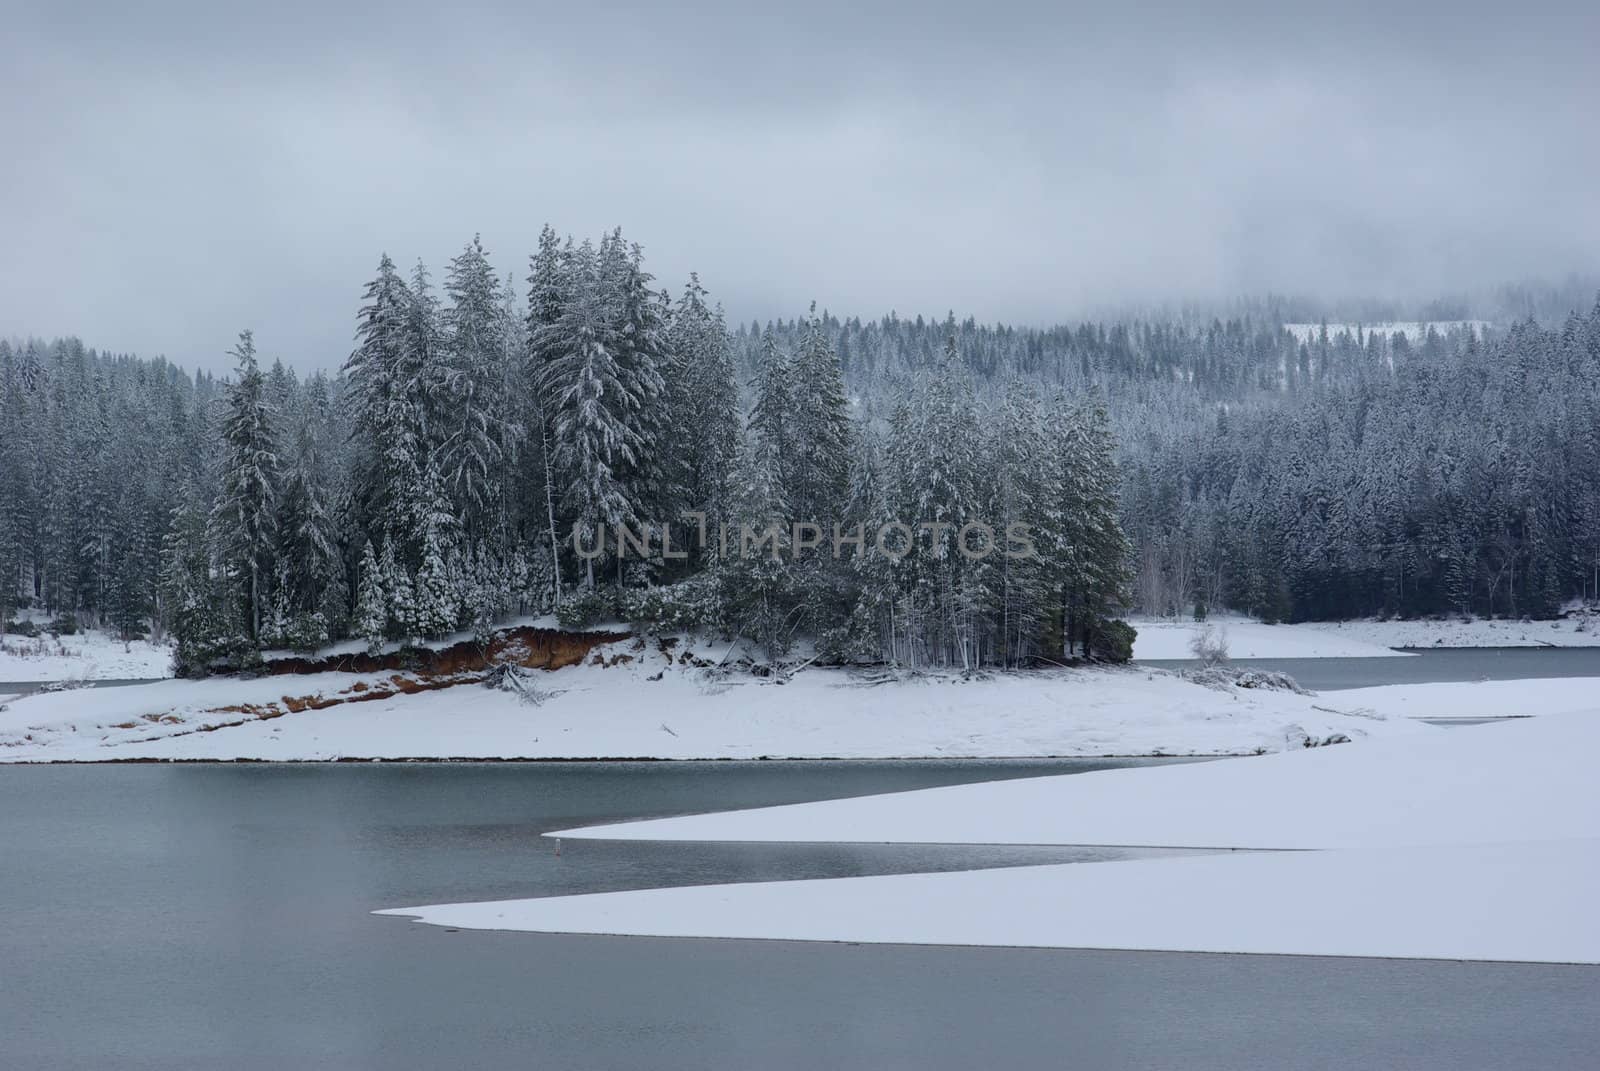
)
(639, 700)
(1161, 640)
(632, 698)
(95, 656)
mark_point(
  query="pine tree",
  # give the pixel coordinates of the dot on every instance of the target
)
(15, 497)
(307, 536)
(372, 609)
(703, 413)
(244, 518)
(1093, 570)
(275, 624)
(937, 477)
(756, 588)
(479, 438)
(819, 428)
(387, 399)
(398, 593)
(196, 617)
(641, 358)
(1019, 489)
(549, 293)
(434, 605)
(872, 628)
(593, 404)
(770, 420)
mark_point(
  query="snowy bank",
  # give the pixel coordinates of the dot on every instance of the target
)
(1531, 779)
(1528, 902)
(1471, 699)
(639, 700)
(1573, 631)
(91, 656)
(1161, 639)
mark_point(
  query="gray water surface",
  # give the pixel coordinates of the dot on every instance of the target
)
(216, 916)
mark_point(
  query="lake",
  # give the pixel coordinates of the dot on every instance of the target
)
(217, 916)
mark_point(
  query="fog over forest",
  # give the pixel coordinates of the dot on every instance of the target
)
(181, 170)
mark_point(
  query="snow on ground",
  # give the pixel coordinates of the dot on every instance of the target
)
(1471, 699)
(1163, 639)
(101, 723)
(648, 708)
(1531, 779)
(1563, 632)
(1468, 844)
(1528, 902)
(92, 656)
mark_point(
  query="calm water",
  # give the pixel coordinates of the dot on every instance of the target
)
(1428, 666)
(216, 916)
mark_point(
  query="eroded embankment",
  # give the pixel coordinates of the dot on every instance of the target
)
(408, 671)
(531, 648)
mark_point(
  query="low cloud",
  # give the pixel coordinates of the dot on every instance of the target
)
(174, 174)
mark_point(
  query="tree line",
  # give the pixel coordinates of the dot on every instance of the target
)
(469, 458)
(434, 481)
(1324, 475)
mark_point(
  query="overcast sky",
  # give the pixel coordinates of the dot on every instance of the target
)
(170, 173)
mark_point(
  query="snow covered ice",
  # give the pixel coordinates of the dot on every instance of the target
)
(1475, 844)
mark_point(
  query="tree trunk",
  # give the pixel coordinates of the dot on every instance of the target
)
(550, 507)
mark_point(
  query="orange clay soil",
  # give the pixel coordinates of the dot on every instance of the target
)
(531, 648)
(414, 670)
